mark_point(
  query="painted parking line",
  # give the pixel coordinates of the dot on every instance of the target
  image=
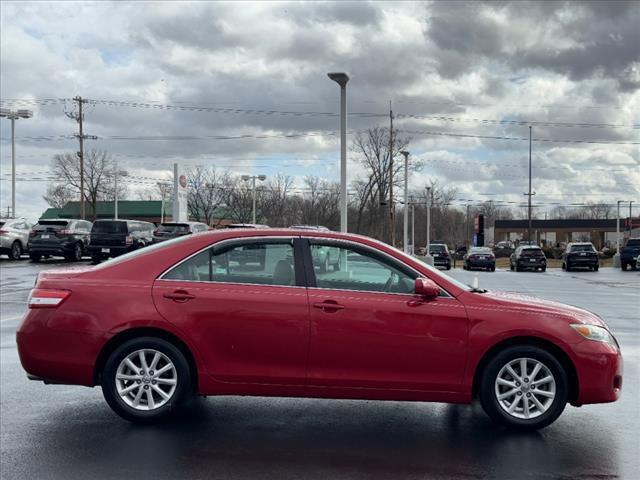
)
(10, 319)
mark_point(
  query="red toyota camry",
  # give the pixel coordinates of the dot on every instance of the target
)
(308, 314)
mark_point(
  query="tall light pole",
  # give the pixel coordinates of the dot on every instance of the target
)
(14, 115)
(427, 256)
(162, 186)
(529, 194)
(341, 79)
(616, 257)
(630, 215)
(413, 227)
(116, 174)
(254, 177)
(406, 204)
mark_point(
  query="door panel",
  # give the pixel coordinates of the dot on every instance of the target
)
(245, 333)
(368, 330)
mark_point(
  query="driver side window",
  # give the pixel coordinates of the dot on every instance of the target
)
(341, 268)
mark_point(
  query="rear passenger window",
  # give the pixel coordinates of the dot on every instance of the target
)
(250, 263)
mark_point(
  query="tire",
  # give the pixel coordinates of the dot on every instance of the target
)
(564, 266)
(623, 266)
(76, 255)
(145, 412)
(448, 266)
(543, 269)
(511, 266)
(552, 406)
(518, 269)
(35, 257)
(493, 269)
(568, 268)
(596, 268)
(96, 258)
(16, 251)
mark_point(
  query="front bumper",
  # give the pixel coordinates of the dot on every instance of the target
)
(599, 367)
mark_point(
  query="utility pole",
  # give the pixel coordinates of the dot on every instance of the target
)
(616, 257)
(392, 230)
(413, 227)
(427, 255)
(630, 222)
(405, 220)
(81, 138)
(530, 193)
(466, 228)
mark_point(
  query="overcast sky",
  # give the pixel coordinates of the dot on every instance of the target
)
(471, 69)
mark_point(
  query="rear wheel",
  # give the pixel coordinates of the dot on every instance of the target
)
(35, 257)
(76, 255)
(145, 378)
(96, 258)
(543, 269)
(16, 251)
(568, 267)
(493, 269)
(524, 387)
(623, 266)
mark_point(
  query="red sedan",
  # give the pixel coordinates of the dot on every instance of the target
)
(252, 312)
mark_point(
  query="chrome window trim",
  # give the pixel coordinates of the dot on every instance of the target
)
(385, 254)
(223, 242)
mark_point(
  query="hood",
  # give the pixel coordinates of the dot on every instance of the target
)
(521, 301)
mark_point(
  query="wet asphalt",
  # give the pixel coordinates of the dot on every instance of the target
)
(62, 432)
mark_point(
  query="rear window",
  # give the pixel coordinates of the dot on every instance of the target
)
(109, 227)
(173, 228)
(437, 248)
(582, 248)
(50, 225)
(633, 242)
(532, 252)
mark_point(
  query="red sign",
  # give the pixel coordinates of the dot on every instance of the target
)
(183, 181)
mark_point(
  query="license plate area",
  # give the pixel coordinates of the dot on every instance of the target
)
(106, 250)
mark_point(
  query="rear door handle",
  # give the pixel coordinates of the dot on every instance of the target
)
(179, 296)
(328, 306)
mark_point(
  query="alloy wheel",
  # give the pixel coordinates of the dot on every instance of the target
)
(525, 388)
(146, 379)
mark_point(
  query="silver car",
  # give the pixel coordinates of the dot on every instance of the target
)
(14, 237)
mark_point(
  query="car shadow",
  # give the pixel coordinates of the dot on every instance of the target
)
(291, 438)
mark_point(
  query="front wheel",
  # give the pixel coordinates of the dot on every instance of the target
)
(596, 268)
(524, 387)
(145, 378)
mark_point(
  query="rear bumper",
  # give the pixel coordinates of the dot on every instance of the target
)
(599, 367)
(481, 263)
(582, 262)
(442, 261)
(113, 251)
(54, 355)
(529, 264)
(55, 249)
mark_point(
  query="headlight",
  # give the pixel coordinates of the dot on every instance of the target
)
(594, 332)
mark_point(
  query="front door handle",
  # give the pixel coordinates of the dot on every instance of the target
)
(329, 306)
(179, 296)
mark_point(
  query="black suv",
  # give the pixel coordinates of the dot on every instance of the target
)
(580, 255)
(62, 237)
(110, 238)
(168, 230)
(440, 254)
(528, 257)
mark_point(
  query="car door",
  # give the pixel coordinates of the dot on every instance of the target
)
(244, 304)
(369, 330)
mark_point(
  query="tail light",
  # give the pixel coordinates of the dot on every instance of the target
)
(156, 231)
(129, 240)
(43, 298)
(445, 254)
(32, 233)
(65, 232)
(3, 232)
(473, 257)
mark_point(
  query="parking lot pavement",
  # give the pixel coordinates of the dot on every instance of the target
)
(69, 432)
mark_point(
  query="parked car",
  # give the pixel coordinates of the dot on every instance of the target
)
(386, 327)
(66, 238)
(440, 254)
(110, 238)
(317, 228)
(629, 254)
(580, 255)
(528, 257)
(503, 249)
(168, 230)
(14, 237)
(479, 257)
(246, 225)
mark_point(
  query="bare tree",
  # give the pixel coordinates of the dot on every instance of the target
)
(274, 203)
(205, 193)
(59, 194)
(239, 200)
(99, 171)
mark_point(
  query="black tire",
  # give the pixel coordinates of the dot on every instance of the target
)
(35, 257)
(564, 266)
(16, 251)
(568, 267)
(518, 269)
(183, 390)
(623, 266)
(96, 258)
(596, 268)
(76, 255)
(511, 266)
(543, 269)
(448, 266)
(493, 269)
(489, 400)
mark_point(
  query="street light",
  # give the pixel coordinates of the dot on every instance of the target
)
(405, 224)
(341, 79)
(427, 256)
(117, 173)
(14, 115)
(254, 177)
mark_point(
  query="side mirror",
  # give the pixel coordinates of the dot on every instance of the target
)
(426, 288)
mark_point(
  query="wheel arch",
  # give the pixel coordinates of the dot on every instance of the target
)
(557, 352)
(118, 339)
